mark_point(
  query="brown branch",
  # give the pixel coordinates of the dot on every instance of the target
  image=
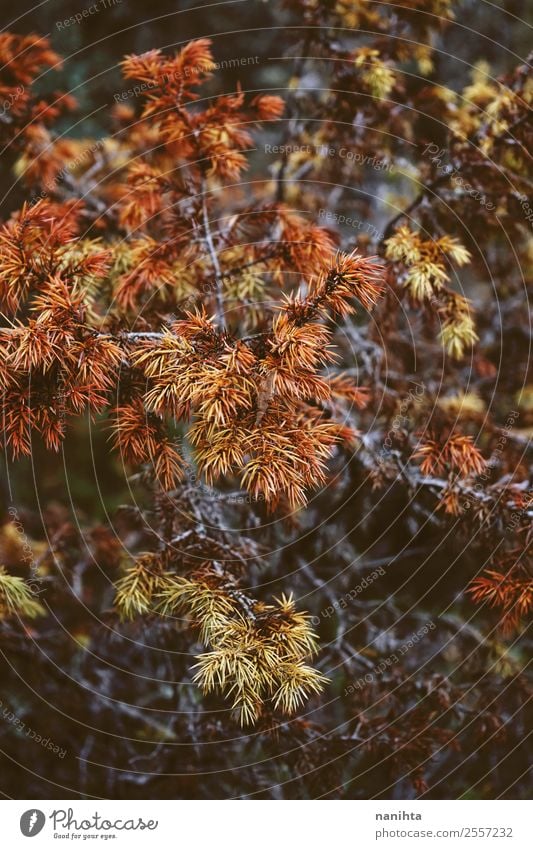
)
(219, 299)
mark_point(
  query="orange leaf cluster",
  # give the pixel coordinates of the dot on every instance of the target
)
(458, 455)
(511, 592)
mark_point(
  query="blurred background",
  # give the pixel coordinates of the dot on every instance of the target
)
(239, 28)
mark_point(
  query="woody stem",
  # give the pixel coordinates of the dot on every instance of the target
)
(219, 300)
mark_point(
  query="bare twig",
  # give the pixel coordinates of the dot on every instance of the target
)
(219, 300)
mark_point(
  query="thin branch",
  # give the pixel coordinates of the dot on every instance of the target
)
(388, 230)
(265, 258)
(219, 300)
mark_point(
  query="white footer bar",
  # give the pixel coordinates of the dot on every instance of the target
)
(267, 824)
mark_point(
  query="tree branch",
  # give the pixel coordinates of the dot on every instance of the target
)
(219, 300)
